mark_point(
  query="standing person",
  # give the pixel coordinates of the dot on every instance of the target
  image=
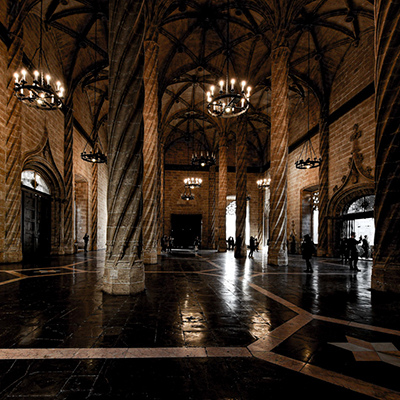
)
(196, 243)
(353, 251)
(164, 243)
(170, 244)
(231, 243)
(365, 246)
(238, 247)
(86, 240)
(307, 251)
(252, 246)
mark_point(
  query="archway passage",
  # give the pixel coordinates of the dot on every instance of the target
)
(184, 229)
(36, 216)
(358, 217)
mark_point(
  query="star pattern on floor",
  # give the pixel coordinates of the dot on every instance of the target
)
(366, 351)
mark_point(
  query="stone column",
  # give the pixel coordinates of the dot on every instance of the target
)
(94, 207)
(323, 187)
(386, 265)
(241, 183)
(124, 269)
(260, 213)
(212, 212)
(68, 178)
(222, 191)
(277, 250)
(160, 196)
(12, 147)
(150, 165)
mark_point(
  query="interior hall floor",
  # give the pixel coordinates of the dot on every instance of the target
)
(208, 326)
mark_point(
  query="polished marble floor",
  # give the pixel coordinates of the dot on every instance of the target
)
(208, 326)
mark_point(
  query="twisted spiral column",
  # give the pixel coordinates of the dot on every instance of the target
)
(241, 183)
(94, 206)
(68, 179)
(124, 269)
(160, 195)
(323, 187)
(222, 191)
(12, 143)
(260, 213)
(386, 264)
(277, 250)
(212, 207)
(150, 165)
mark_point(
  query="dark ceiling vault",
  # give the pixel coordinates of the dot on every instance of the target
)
(192, 41)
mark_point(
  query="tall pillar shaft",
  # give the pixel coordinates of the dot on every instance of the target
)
(212, 212)
(160, 196)
(323, 187)
(124, 269)
(277, 251)
(150, 152)
(222, 191)
(12, 147)
(94, 203)
(386, 265)
(68, 179)
(241, 183)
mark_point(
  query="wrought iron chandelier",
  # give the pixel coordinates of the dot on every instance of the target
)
(96, 156)
(228, 100)
(263, 183)
(187, 195)
(203, 157)
(192, 183)
(40, 93)
(308, 158)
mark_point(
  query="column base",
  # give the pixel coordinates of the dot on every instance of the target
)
(385, 278)
(123, 278)
(150, 256)
(278, 258)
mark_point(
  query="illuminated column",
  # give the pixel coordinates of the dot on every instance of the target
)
(222, 191)
(11, 148)
(241, 182)
(212, 207)
(124, 269)
(323, 187)
(277, 250)
(94, 203)
(386, 265)
(150, 159)
(68, 178)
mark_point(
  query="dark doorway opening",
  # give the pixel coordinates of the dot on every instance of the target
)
(184, 229)
(36, 224)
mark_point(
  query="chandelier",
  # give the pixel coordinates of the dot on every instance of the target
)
(308, 158)
(96, 156)
(192, 183)
(39, 93)
(203, 157)
(228, 100)
(263, 183)
(187, 195)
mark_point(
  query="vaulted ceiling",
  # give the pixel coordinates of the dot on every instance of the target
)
(192, 37)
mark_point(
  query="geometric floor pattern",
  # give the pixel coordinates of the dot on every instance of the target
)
(208, 326)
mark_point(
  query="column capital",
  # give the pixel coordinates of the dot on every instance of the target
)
(280, 52)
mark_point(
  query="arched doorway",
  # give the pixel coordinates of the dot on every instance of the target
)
(358, 217)
(339, 218)
(36, 216)
(231, 219)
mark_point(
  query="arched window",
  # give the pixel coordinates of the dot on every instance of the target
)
(31, 179)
